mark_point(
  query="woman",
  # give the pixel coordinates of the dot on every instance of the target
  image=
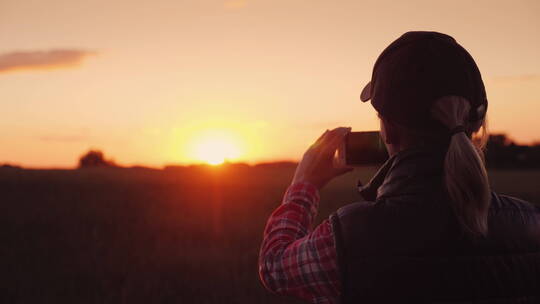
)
(429, 228)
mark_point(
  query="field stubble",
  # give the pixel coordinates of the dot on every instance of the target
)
(188, 235)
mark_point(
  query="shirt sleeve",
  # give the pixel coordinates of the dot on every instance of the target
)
(295, 259)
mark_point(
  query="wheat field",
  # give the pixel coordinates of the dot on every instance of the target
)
(184, 235)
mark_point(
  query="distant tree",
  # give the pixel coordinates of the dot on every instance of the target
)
(502, 152)
(95, 158)
(10, 166)
(499, 140)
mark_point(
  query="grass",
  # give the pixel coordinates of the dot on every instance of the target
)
(188, 235)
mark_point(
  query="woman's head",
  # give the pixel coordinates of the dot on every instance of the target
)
(416, 70)
(428, 90)
(448, 111)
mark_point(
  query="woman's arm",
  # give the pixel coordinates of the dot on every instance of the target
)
(294, 260)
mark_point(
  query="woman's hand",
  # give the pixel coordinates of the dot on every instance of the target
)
(316, 166)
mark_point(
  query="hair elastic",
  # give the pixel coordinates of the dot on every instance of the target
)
(457, 129)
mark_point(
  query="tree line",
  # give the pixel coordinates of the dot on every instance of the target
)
(501, 153)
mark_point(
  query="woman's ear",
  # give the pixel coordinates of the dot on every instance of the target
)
(475, 126)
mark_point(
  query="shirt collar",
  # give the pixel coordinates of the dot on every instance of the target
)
(410, 171)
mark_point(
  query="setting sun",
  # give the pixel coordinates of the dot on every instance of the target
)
(216, 148)
(216, 140)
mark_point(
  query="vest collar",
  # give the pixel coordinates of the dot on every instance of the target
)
(409, 172)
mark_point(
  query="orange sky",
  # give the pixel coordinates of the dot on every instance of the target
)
(147, 82)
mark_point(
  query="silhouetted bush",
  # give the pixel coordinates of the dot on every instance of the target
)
(502, 152)
(9, 166)
(95, 158)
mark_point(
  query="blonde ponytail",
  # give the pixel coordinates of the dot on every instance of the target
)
(465, 175)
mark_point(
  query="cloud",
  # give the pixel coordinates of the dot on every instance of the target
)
(63, 138)
(42, 60)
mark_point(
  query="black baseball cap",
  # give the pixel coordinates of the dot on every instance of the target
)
(418, 68)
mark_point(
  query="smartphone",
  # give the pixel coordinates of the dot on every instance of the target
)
(361, 149)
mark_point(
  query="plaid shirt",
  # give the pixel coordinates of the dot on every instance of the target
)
(295, 259)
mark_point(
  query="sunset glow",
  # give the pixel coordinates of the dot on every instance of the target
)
(148, 84)
(216, 148)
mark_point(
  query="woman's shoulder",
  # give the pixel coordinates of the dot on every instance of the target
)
(508, 213)
(503, 202)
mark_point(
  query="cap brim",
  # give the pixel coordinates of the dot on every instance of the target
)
(366, 93)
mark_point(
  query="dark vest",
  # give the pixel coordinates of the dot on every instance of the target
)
(404, 244)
